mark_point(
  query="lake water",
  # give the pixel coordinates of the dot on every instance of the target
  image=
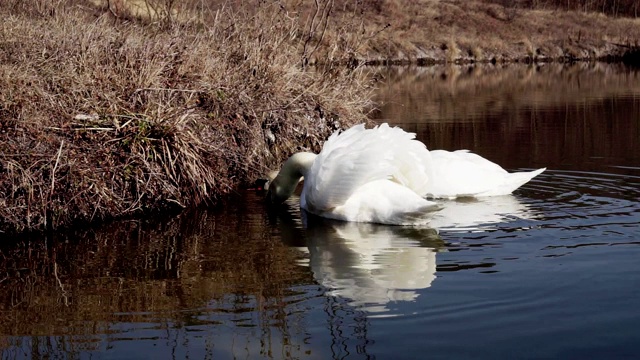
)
(552, 271)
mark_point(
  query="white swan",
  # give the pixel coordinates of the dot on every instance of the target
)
(382, 175)
(374, 175)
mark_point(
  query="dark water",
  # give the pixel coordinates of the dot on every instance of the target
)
(552, 271)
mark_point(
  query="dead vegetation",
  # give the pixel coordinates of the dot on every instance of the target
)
(113, 108)
(454, 31)
(615, 8)
(104, 116)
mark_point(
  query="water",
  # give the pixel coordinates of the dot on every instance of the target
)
(549, 272)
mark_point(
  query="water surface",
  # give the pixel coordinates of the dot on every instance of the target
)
(549, 272)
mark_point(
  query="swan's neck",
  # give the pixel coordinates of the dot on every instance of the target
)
(296, 167)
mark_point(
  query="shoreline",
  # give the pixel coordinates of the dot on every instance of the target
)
(612, 53)
(428, 32)
(115, 115)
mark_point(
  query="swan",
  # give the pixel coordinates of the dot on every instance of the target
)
(384, 175)
(376, 175)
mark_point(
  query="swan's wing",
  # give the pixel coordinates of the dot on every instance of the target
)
(385, 202)
(462, 173)
(357, 156)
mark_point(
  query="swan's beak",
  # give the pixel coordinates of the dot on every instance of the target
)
(263, 183)
(273, 199)
(260, 185)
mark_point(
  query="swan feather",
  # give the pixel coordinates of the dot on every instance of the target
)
(359, 156)
(462, 173)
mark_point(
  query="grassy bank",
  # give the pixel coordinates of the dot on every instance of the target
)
(112, 108)
(104, 116)
(428, 31)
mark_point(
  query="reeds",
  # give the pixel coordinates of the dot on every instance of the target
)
(105, 116)
(629, 8)
(427, 31)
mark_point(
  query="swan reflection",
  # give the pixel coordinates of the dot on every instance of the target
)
(480, 214)
(374, 266)
(369, 264)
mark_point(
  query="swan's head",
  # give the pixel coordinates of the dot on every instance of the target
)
(278, 191)
(286, 181)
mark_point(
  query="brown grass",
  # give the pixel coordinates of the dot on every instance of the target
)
(105, 115)
(112, 108)
(454, 31)
(617, 8)
(428, 31)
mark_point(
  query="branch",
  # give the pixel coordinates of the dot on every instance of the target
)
(55, 167)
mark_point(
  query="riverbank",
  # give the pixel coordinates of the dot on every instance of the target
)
(104, 117)
(121, 108)
(426, 32)
(429, 32)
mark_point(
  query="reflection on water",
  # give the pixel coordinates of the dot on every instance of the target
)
(579, 117)
(372, 265)
(484, 214)
(549, 272)
(172, 287)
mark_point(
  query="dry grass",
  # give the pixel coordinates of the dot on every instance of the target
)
(112, 108)
(429, 31)
(104, 116)
(617, 8)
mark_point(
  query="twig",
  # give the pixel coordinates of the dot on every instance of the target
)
(113, 12)
(94, 129)
(64, 292)
(55, 167)
(324, 11)
(325, 16)
(166, 89)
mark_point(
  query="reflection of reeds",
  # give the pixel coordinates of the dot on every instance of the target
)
(466, 93)
(174, 275)
(540, 115)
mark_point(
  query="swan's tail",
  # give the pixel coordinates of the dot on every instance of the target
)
(514, 181)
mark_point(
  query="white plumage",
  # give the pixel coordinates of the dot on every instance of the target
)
(462, 173)
(383, 175)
